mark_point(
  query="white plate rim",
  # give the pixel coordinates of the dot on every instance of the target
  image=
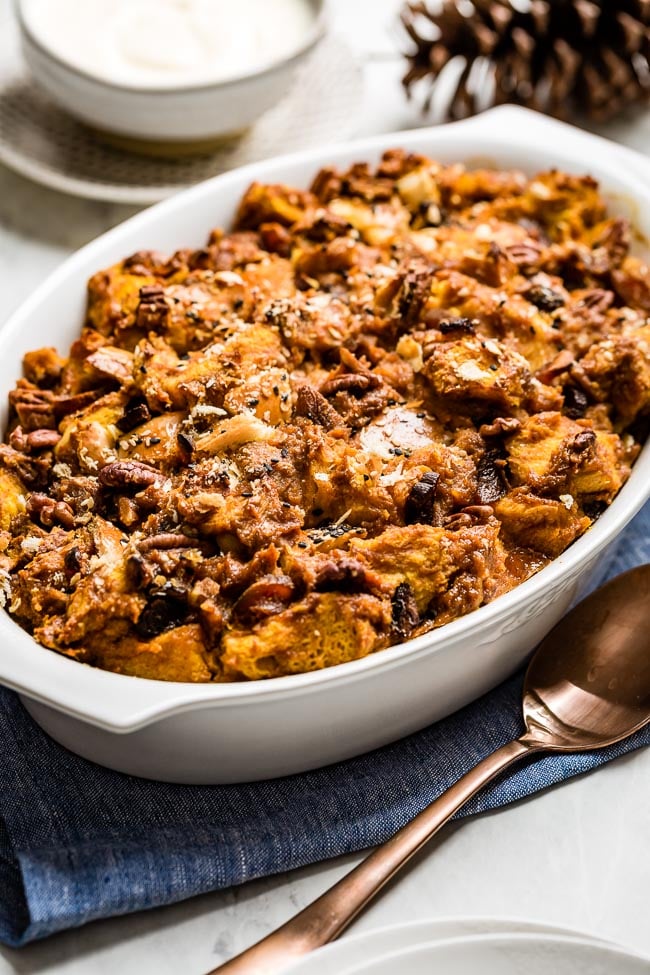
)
(400, 959)
(330, 959)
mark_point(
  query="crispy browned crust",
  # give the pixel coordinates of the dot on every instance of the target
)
(369, 409)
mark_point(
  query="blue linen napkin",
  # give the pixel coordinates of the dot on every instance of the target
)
(78, 842)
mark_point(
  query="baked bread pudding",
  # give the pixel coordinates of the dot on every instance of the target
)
(371, 408)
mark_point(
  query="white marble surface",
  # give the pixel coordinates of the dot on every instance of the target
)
(577, 855)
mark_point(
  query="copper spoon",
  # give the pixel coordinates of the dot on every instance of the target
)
(587, 686)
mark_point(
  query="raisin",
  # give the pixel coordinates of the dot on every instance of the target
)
(575, 402)
(467, 325)
(161, 614)
(490, 485)
(420, 501)
(405, 616)
(544, 298)
(136, 412)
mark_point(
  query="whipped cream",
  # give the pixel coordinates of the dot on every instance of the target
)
(168, 43)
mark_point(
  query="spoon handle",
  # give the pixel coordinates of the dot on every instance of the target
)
(325, 918)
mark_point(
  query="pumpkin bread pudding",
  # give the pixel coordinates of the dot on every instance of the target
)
(367, 410)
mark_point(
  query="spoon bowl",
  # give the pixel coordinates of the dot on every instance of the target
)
(588, 683)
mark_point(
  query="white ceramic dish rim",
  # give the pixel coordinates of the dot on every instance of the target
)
(121, 703)
(312, 36)
(532, 939)
(379, 942)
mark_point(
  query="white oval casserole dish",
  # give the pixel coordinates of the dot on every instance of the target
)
(218, 733)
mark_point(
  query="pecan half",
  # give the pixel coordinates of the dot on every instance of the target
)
(42, 439)
(128, 474)
(313, 405)
(153, 310)
(48, 511)
(356, 383)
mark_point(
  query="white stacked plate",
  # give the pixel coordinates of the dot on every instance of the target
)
(471, 945)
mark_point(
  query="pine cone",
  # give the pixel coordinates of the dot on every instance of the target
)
(562, 57)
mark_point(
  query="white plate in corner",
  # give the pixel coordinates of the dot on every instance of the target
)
(509, 954)
(345, 957)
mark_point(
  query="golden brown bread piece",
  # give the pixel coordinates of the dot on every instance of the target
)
(372, 407)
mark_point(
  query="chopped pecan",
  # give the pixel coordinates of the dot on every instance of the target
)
(596, 300)
(115, 363)
(65, 405)
(276, 238)
(324, 227)
(18, 438)
(479, 512)
(413, 293)
(345, 574)
(632, 283)
(266, 597)
(128, 474)
(526, 255)
(32, 470)
(615, 239)
(359, 181)
(501, 426)
(561, 363)
(35, 407)
(168, 540)
(145, 263)
(326, 185)
(583, 443)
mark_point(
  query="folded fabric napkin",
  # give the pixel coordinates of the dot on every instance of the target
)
(78, 842)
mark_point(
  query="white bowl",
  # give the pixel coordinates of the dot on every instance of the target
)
(183, 114)
(205, 733)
